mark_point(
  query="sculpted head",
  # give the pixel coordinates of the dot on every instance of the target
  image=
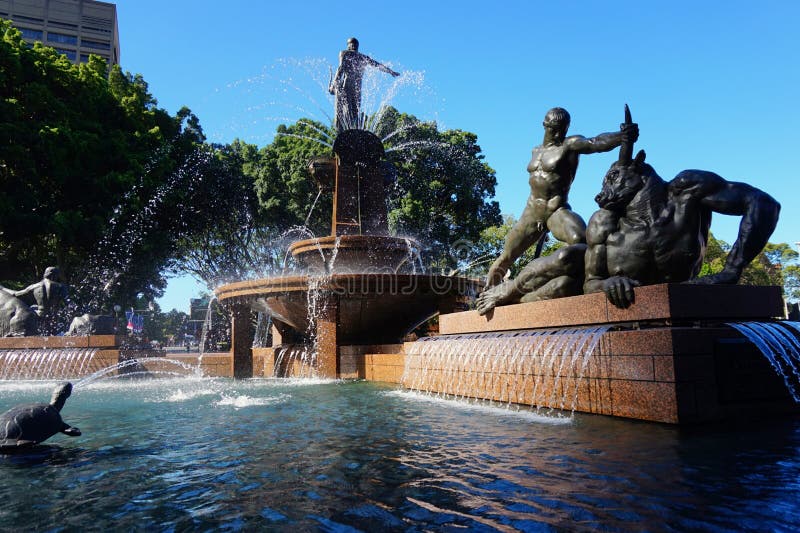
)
(352, 44)
(622, 182)
(556, 123)
(52, 273)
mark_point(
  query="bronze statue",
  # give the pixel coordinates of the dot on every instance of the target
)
(45, 295)
(17, 319)
(554, 276)
(42, 298)
(25, 426)
(552, 170)
(647, 231)
(346, 84)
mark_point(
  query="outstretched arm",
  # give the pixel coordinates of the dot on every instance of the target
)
(380, 66)
(603, 142)
(759, 212)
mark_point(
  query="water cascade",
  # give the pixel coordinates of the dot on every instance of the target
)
(780, 345)
(45, 363)
(542, 368)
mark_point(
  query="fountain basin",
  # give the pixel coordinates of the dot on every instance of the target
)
(371, 308)
(356, 254)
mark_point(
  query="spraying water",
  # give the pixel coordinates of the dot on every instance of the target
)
(780, 345)
(511, 368)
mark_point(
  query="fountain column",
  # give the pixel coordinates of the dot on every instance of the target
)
(359, 197)
(327, 348)
(241, 341)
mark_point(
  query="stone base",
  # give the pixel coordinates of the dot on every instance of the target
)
(669, 358)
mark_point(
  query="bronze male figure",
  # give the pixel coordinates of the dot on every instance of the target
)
(551, 173)
(346, 84)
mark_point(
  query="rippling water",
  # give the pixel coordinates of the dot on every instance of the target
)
(334, 456)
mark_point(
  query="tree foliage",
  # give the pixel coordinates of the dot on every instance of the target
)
(443, 187)
(97, 179)
(439, 194)
(775, 265)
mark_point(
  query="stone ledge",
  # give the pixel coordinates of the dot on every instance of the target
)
(669, 301)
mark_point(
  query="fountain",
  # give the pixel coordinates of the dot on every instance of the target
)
(359, 287)
(640, 345)
(207, 453)
(644, 349)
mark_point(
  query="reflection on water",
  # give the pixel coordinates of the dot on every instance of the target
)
(294, 455)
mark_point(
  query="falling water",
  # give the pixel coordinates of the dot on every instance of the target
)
(780, 345)
(45, 363)
(297, 360)
(207, 324)
(144, 366)
(261, 334)
(542, 368)
(313, 205)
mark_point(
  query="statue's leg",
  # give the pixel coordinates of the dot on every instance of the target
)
(565, 262)
(522, 236)
(567, 226)
(555, 288)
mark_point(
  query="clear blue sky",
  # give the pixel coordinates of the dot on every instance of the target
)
(713, 85)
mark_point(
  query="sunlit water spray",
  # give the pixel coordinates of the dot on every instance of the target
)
(543, 369)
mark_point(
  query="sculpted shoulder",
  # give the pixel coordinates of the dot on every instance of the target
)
(695, 183)
(574, 141)
(601, 225)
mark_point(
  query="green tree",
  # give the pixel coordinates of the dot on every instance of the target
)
(443, 187)
(478, 257)
(97, 179)
(775, 265)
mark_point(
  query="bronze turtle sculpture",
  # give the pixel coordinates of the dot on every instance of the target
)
(26, 425)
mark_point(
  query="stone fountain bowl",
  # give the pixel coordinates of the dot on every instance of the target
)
(356, 254)
(374, 308)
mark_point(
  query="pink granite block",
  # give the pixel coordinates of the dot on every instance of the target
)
(645, 400)
(633, 367)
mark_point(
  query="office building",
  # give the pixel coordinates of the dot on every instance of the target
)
(75, 28)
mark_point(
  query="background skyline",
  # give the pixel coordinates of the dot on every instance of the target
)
(712, 86)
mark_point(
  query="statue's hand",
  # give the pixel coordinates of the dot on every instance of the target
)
(394, 73)
(726, 277)
(619, 290)
(630, 132)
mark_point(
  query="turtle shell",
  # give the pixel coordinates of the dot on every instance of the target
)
(27, 425)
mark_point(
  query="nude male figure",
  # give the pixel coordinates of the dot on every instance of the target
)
(646, 231)
(649, 231)
(44, 295)
(552, 170)
(345, 85)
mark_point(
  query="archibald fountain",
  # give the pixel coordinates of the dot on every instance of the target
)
(615, 322)
(361, 286)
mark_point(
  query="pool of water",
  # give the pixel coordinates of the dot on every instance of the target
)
(202, 454)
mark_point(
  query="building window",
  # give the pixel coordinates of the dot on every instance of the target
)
(71, 55)
(54, 37)
(27, 19)
(95, 44)
(34, 35)
(98, 30)
(66, 25)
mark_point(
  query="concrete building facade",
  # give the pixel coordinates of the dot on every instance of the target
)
(75, 28)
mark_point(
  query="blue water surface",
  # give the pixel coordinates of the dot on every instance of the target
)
(286, 455)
